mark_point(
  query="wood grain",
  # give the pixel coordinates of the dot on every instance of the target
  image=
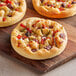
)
(43, 65)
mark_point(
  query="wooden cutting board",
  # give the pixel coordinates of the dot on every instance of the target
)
(43, 65)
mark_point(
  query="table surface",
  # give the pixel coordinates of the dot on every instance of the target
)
(12, 67)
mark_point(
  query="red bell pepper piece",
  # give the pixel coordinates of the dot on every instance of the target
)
(61, 9)
(19, 36)
(42, 41)
(7, 1)
(22, 25)
(4, 19)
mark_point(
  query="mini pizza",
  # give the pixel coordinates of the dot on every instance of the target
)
(11, 11)
(55, 8)
(39, 39)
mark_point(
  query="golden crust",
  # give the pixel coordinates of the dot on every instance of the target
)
(17, 12)
(42, 53)
(53, 12)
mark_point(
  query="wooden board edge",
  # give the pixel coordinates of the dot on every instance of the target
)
(59, 64)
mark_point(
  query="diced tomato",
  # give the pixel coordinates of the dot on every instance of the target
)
(4, 19)
(51, 27)
(69, 5)
(17, 9)
(52, 6)
(42, 41)
(43, 26)
(19, 44)
(54, 32)
(56, 38)
(2, 5)
(48, 38)
(61, 9)
(29, 30)
(58, 0)
(8, 1)
(30, 42)
(35, 23)
(52, 41)
(46, 3)
(62, 1)
(22, 25)
(28, 45)
(19, 36)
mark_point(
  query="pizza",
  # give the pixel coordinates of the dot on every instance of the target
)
(55, 8)
(39, 39)
(11, 11)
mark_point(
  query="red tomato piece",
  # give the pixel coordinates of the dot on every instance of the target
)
(55, 32)
(28, 45)
(8, 1)
(4, 19)
(29, 30)
(48, 38)
(17, 9)
(52, 6)
(46, 3)
(22, 25)
(19, 36)
(58, 0)
(43, 26)
(19, 44)
(2, 5)
(35, 23)
(38, 21)
(69, 5)
(61, 9)
(42, 41)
